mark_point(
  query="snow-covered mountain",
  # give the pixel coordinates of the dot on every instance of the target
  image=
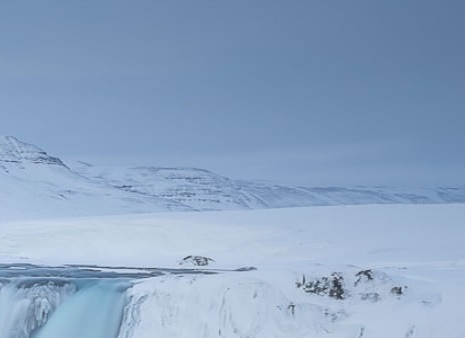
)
(34, 183)
(205, 190)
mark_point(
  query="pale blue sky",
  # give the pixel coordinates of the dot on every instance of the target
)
(301, 91)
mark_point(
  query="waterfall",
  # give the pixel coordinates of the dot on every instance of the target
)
(25, 307)
(80, 302)
(92, 312)
(54, 308)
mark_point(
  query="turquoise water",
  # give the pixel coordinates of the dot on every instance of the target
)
(92, 312)
(61, 308)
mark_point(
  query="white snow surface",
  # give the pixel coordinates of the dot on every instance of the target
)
(418, 248)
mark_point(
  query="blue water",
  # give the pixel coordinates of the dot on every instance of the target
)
(61, 308)
(94, 311)
(63, 302)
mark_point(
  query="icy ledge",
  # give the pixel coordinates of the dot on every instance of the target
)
(258, 305)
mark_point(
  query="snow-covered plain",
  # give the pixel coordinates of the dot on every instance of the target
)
(392, 270)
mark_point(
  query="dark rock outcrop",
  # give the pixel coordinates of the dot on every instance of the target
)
(196, 260)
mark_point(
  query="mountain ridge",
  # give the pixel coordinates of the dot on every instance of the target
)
(34, 183)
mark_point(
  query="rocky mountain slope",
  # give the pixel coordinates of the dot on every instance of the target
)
(34, 183)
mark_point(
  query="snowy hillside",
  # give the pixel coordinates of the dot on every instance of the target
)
(204, 190)
(384, 271)
(36, 184)
(197, 188)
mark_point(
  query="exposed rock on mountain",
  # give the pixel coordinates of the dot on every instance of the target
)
(14, 151)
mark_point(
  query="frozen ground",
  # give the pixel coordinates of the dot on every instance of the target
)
(348, 271)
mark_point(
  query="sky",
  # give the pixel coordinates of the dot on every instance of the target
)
(305, 91)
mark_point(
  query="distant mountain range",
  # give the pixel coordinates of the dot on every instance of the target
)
(36, 184)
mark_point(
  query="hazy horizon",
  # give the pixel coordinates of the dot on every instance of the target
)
(302, 92)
